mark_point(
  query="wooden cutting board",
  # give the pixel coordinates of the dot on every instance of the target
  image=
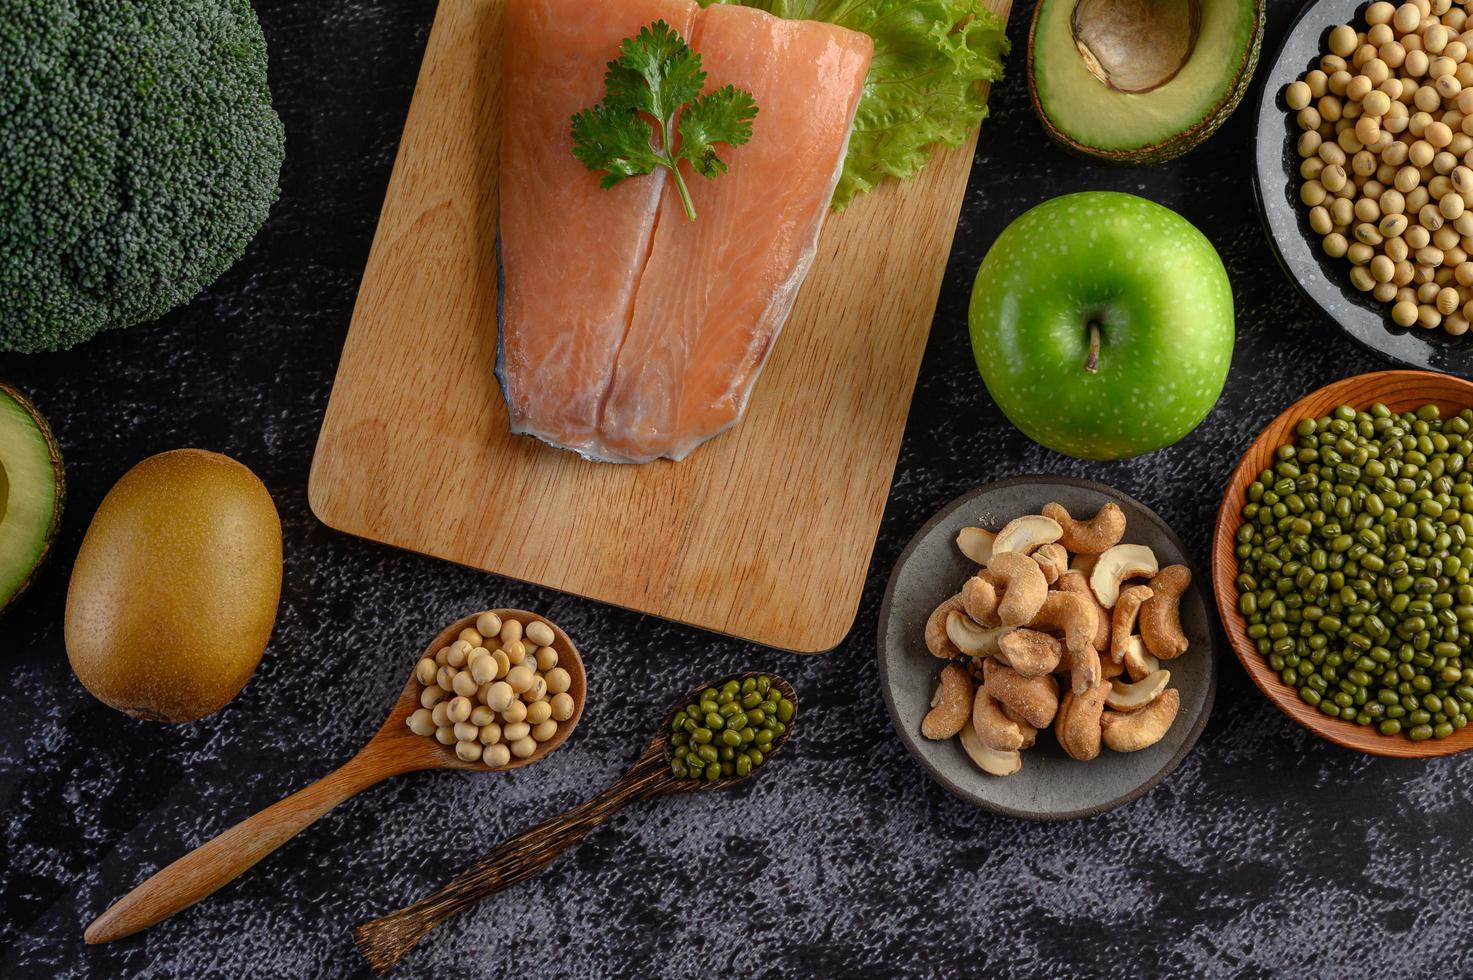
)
(764, 533)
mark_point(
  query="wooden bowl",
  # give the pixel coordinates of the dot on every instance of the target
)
(1400, 391)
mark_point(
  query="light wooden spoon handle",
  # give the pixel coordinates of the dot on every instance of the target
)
(213, 865)
(385, 940)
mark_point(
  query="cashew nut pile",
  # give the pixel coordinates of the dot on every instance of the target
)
(1057, 598)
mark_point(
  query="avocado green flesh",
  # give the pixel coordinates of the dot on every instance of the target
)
(1089, 112)
(28, 496)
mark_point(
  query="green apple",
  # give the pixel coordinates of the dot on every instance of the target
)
(1102, 324)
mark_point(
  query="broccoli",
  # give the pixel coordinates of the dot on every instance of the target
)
(139, 155)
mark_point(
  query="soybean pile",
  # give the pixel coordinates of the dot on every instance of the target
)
(1356, 568)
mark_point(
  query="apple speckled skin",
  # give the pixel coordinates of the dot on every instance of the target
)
(1160, 296)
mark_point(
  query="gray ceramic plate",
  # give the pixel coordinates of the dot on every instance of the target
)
(1324, 280)
(1051, 786)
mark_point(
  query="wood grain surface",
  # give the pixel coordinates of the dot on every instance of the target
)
(393, 751)
(1400, 391)
(764, 533)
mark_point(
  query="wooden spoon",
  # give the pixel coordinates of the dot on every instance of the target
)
(391, 752)
(385, 940)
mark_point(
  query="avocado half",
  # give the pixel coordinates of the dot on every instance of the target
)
(1140, 81)
(32, 492)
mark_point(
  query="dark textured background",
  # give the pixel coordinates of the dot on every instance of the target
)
(1267, 853)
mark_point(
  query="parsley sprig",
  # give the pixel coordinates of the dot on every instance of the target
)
(658, 77)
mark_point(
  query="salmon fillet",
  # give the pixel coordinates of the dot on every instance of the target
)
(657, 350)
(717, 291)
(571, 254)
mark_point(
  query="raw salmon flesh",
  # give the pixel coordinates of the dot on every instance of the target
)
(628, 332)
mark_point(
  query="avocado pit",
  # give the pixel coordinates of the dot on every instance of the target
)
(1135, 45)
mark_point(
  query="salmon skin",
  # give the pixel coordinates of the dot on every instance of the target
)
(628, 332)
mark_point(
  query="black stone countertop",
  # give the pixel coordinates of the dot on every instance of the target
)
(1268, 852)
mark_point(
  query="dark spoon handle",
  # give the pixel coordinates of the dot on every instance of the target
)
(385, 940)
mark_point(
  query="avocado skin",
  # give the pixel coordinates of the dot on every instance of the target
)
(1170, 149)
(58, 466)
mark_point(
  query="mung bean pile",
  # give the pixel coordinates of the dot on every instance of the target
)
(728, 730)
(1356, 568)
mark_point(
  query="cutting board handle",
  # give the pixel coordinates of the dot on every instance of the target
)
(213, 865)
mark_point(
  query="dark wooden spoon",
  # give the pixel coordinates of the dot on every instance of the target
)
(385, 940)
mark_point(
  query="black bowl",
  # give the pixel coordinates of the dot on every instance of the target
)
(1324, 280)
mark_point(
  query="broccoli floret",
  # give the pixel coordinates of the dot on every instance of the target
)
(139, 155)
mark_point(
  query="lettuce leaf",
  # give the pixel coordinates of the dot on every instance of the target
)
(925, 83)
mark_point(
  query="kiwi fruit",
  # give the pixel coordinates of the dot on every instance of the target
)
(175, 590)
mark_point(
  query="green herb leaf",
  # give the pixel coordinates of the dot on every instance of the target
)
(615, 141)
(724, 116)
(658, 76)
(656, 72)
(925, 84)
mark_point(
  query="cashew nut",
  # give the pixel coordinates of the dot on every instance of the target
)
(1141, 729)
(995, 729)
(1024, 587)
(1030, 734)
(1030, 652)
(1161, 615)
(1067, 613)
(937, 641)
(1025, 533)
(1083, 667)
(951, 705)
(989, 760)
(971, 639)
(1092, 537)
(1054, 561)
(1078, 724)
(979, 598)
(1122, 619)
(1049, 596)
(1129, 697)
(1035, 699)
(1124, 561)
(1078, 582)
(1139, 663)
(976, 544)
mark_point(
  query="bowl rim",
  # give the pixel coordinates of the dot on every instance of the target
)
(1337, 731)
(1194, 733)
